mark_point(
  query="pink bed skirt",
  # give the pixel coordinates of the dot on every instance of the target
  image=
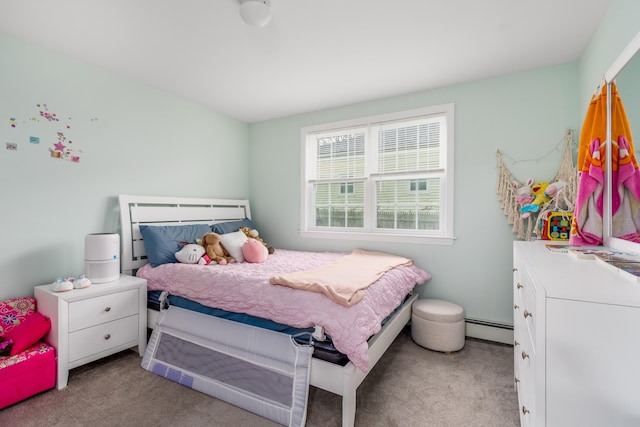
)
(28, 373)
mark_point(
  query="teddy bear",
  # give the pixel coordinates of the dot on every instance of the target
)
(192, 253)
(253, 234)
(214, 250)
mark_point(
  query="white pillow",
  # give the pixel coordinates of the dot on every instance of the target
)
(233, 242)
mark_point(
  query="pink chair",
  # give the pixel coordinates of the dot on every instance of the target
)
(30, 366)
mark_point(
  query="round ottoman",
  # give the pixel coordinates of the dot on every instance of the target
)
(437, 325)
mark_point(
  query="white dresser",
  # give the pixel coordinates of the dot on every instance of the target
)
(91, 323)
(576, 340)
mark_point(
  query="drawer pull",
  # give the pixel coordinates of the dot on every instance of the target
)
(527, 314)
(515, 269)
(524, 355)
(106, 337)
(519, 286)
(107, 308)
(525, 411)
(516, 306)
(516, 380)
(516, 343)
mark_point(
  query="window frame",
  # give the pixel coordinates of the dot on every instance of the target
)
(445, 236)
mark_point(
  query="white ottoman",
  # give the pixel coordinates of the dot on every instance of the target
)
(437, 325)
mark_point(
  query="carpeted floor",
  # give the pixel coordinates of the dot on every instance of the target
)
(410, 386)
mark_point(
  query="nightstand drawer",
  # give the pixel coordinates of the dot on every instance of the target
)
(105, 308)
(89, 341)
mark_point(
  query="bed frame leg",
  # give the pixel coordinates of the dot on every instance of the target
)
(349, 408)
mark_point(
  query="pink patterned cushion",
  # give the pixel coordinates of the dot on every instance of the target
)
(14, 311)
(33, 351)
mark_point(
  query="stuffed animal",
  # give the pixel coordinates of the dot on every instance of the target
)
(254, 251)
(215, 251)
(553, 188)
(192, 253)
(540, 197)
(542, 192)
(253, 234)
(523, 192)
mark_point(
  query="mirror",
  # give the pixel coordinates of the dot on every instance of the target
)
(629, 87)
(624, 71)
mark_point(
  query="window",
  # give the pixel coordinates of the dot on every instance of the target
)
(418, 185)
(387, 177)
(347, 187)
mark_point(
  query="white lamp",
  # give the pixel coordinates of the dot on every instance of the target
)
(256, 13)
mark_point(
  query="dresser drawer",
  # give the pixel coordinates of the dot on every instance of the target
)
(526, 297)
(100, 338)
(525, 368)
(101, 309)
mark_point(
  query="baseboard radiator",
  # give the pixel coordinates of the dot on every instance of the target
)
(490, 331)
(259, 370)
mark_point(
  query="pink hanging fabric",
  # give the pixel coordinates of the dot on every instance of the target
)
(587, 228)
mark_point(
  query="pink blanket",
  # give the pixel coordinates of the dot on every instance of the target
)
(344, 279)
(245, 288)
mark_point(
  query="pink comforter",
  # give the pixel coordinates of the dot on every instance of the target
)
(245, 288)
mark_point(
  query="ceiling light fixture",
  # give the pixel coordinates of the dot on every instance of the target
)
(256, 13)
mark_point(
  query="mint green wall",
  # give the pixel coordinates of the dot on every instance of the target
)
(144, 142)
(525, 115)
(617, 29)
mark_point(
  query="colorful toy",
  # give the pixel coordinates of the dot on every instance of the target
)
(557, 225)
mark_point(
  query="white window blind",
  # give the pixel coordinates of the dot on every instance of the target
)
(380, 176)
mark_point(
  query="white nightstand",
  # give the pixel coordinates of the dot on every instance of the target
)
(91, 323)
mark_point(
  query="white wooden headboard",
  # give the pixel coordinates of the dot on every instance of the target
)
(138, 210)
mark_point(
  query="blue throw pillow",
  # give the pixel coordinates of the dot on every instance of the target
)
(231, 226)
(161, 242)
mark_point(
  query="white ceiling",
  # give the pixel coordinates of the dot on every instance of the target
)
(314, 54)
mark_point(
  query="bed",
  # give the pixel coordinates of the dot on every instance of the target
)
(341, 379)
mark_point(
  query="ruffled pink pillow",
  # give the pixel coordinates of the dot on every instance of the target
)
(254, 251)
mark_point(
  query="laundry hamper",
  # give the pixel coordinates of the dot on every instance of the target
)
(438, 325)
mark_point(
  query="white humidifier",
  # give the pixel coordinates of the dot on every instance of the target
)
(102, 257)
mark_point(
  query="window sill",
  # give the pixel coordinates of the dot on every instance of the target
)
(379, 237)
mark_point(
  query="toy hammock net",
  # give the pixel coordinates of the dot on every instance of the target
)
(562, 201)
